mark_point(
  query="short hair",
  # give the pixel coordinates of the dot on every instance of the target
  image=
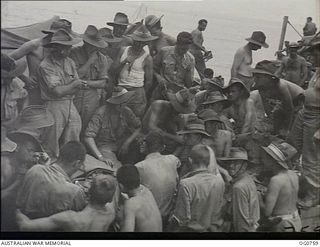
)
(202, 20)
(154, 141)
(200, 154)
(184, 38)
(72, 151)
(102, 188)
(309, 18)
(208, 73)
(128, 176)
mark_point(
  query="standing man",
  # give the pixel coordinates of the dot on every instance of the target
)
(47, 190)
(134, 67)
(92, 66)
(294, 67)
(159, 174)
(174, 67)
(197, 49)
(282, 195)
(200, 195)
(153, 24)
(241, 67)
(245, 200)
(309, 28)
(140, 210)
(59, 82)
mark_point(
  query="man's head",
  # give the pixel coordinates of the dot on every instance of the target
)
(153, 24)
(293, 49)
(309, 19)
(128, 178)
(102, 189)
(194, 131)
(236, 90)
(237, 162)
(141, 37)
(154, 142)
(199, 157)
(208, 73)
(202, 24)
(257, 40)
(119, 24)
(263, 75)
(72, 156)
(184, 40)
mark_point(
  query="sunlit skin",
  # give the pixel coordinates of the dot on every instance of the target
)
(234, 93)
(202, 26)
(182, 49)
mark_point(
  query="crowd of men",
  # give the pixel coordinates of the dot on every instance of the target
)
(176, 154)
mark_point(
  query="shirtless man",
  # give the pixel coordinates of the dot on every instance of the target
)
(241, 67)
(270, 86)
(140, 210)
(282, 195)
(294, 67)
(34, 52)
(95, 217)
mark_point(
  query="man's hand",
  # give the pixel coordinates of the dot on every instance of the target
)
(106, 160)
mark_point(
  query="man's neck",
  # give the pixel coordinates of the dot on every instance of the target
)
(134, 192)
(240, 176)
(63, 167)
(96, 206)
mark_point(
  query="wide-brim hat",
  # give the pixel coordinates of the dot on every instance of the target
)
(63, 38)
(34, 116)
(258, 38)
(14, 135)
(215, 97)
(314, 42)
(107, 35)
(20, 68)
(265, 67)
(142, 34)
(6, 144)
(194, 125)
(183, 101)
(151, 20)
(119, 19)
(282, 153)
(236, 153)
(216, 82)
(61, 24)
(120, 95)
(294, 45)
(237, 81)
(93, 37)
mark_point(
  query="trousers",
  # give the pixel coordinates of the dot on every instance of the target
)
(139, 101)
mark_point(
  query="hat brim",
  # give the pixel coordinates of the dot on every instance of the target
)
(260, 71)
(212, 119)
(226, 89)
(121, 99)
(13, 135)
(228, 158)
(113, 40)
(183, 132)
(279, 162)
(117, 23)
(139, 39)
(21, 66)
(179, 107)
(7, 145)
(66, 43)
(215, 84)
(265, 45)
(97, 43)
(72, 33)
(154, 21)
(225, 105)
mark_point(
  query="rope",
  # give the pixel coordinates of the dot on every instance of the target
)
(295, 29)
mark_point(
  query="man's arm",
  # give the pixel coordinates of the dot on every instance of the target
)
(148, 70)
(190, 73)
(117, 66)
(25, 49)
(271, 196)
(287, 103)
(196, 37)
(248, 120)
(279, 71)
(304, 72)
(128, 223)
(237, 60)
(182, 211)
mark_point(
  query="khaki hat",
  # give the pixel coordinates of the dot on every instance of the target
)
(215, 97)
(107, 35)
(63, 38)
(151, 20)
(119, 19)
(94, 37)
(209, 115)
(6, 144)
(183, 101)
(34, 116)
(236, 81)
(18, 135)
(258, 38)
(236, 153)
(120, 95)
(61, 24)
(265, 67)
(194, 125)
(142, 34)
(282, 153)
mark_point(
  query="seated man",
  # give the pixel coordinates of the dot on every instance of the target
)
(200, 195)
(282, 195)
(47, 190)
(159, 174)
(110, 126)
(140, 210)
(245, 200)
(95, 217)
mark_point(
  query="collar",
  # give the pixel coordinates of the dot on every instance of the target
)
(153, 155)
(195, 172)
